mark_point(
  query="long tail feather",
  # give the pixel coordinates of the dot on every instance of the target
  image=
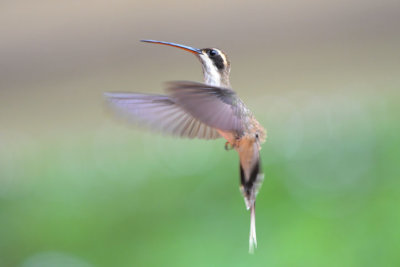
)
(252, 237)
(251, 178)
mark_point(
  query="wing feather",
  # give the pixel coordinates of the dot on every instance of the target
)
(160, 113)
(214, 106)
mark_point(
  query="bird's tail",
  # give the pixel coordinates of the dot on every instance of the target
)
(252, 237)
(251, 178)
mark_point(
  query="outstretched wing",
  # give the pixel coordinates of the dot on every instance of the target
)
(217, 107)
(161, 113)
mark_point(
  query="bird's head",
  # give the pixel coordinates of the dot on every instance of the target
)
(215, 63)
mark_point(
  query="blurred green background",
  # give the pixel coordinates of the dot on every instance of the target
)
(81, 188)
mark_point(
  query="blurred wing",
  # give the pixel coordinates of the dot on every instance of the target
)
(215, 106)
(160, 113)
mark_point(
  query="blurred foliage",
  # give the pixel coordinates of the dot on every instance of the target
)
(123, 197)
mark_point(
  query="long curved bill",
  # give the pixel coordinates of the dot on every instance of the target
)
(184, 47)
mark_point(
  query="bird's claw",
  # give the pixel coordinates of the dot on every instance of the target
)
(229, 146)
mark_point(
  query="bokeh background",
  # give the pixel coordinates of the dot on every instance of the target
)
(81, 188)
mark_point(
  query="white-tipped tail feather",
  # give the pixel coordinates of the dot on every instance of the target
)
(252, 237)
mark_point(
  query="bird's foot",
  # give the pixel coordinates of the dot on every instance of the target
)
(229, 146)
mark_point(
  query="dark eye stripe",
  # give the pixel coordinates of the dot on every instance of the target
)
(218, 62)
(216, 57)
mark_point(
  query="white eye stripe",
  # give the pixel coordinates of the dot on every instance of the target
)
(224, 58)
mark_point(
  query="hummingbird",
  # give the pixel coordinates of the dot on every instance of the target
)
(207, 110)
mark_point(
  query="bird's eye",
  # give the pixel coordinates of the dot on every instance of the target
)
(257, 135)
(212, 53)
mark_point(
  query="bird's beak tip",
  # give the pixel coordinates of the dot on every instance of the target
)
(183, 47)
